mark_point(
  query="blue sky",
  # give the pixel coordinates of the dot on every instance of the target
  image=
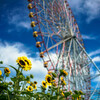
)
(15, 23)
(16, 34)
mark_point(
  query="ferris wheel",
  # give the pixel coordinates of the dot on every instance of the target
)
(61, 45)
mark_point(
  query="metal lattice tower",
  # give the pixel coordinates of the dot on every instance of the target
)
(61, 45)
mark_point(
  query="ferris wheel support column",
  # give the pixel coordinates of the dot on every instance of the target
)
(93, 92)
(87, 55)
(75, 64)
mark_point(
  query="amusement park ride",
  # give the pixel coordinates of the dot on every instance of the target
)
(61, 45)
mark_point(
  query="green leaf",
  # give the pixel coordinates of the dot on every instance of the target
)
(76, 92)
(31, 76)
(14, 79)
(61, 98)
(28, 93)
(75, 96)
(81, 93)
(67, 94)
(54, 75)
(14, 68)
(54, 98)
(1, 78)
(3, 86)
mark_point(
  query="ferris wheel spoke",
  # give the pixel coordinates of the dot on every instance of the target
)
(83, 68)
(58, 44)
(93, 77)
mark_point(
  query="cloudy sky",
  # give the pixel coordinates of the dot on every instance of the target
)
(16, 34)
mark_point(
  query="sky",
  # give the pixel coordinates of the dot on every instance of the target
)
(16, 34)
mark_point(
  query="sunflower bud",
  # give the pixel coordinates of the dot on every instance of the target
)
(35, 82)
(10, 83)
(1, 62)
(28, 78)
(54, 75)
(48, 94)
(31, 76)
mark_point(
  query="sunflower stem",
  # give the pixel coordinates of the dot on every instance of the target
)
(58, 87)
(8, 95)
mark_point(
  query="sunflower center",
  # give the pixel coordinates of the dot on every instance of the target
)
(7, 70)
(29, 88)
(22, 62)
(27, 62)
(44, 84)
(35, 82)
(33, 86)
(48, 79)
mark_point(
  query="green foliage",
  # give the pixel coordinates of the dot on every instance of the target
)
(21, 87)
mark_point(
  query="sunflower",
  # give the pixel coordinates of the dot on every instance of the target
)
(65, 73)
(80, 92)
(24, 63)
(63, 82)
(48, 79)
(54, 84)
(44, 84)
(31, 83)
(53, 80)
(21, 62)
(62, 94)
(35, 82)
(28, 81)
(70, 92)
(0, 72)
(77, 99)
(49, 72)
(79, 96)
(6, 70)
(62, 78)
(29, 88)
(34, 86)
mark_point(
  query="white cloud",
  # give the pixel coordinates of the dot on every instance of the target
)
(88, 37)
(18, 22)
(18, 18)
(91, 8)
(10, 52)
(94, 53)
(97, 79)
(96, 59)
(94, 73)
(76, 4)
(25, 25)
